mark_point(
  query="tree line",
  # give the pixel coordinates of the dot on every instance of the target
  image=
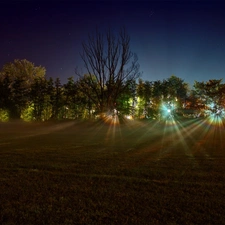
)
(111, 85)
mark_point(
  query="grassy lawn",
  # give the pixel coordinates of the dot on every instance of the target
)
(138, 172)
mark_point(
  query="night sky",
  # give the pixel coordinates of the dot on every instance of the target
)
(184, 38)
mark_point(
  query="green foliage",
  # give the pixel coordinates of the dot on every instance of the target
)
(210, 92)
(57, 100)
(175, 88)
(126, 99)
(22, 69)
(16, 79)
(39, 95)
(71, 99)
(144, 103)
(27, 113)
(4, 115)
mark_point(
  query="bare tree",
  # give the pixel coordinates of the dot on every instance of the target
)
(110, 65)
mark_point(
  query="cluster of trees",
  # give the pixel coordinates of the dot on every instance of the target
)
(110, 85)
(26, 93)
(208, 97)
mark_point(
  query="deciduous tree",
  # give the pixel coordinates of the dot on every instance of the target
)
(19, 76)
(109, 64)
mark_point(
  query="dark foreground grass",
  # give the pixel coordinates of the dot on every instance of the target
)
(94, 173)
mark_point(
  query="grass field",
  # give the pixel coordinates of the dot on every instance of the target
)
(138, 172)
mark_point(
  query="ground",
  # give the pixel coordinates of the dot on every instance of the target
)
(136, 172)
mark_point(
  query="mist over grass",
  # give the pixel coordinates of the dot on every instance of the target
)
(137, 172)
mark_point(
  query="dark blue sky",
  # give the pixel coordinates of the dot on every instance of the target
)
(184, 38)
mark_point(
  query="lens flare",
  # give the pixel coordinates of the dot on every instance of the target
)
(215, 120)
(215, 114)
(167, 112)
(111, 117)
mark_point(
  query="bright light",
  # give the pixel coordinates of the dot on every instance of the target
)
(129, 117)
(111, 117)
(167, 110)
(215, 114)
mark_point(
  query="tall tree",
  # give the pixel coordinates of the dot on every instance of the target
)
(5, 93)
(22, 69)
(211, 94)
(109, 63)
(19, 97)
(38, 94)
(125, 103)
(57, 102)
(73, 102)
(144, 94)
(175, 88)
(19, 76)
